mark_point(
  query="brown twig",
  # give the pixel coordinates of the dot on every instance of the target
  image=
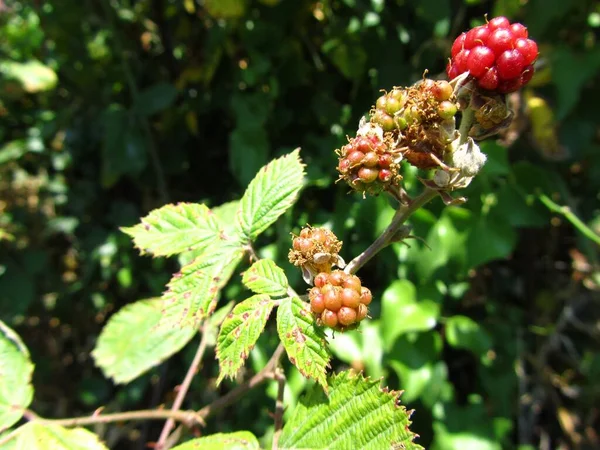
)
(279, 407)
(185, 385)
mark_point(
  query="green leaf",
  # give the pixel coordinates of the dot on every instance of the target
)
(273, 190)
(32, 75)
(490, 239)
(304, 342)
(136, 339)
(155, 99)
(239, 332)
(355, 414)
(362, 347)
(175, 229)
(192, 293)
(401, 312)
(16, 369)
(240, 440)
(37, 436)
(248, 152)
(464, 332)
(265, 277)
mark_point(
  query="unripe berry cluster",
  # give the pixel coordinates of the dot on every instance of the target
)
(338, 300)
(420, 120)
(498, 55)
(368, 164)
(315, 250)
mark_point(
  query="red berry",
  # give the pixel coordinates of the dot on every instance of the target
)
(385, 160)
(365, 296)
(500, 40)
(460, 60)
(367, 175)
(350, 298)
(498, 22)
(519, 30)
(480, 59)
(344, 165)
(371, 159)
(489, 80)
(346, 316)
(321, 280)
(329, 318)
(384, 175)
(332, 300)
(528, 49)
(355, 158)
(458, 44)
(510, 64)
(363, 145)
(452, 71)
(317, 304)
(506, 86)
(527, 75)
(477, 36)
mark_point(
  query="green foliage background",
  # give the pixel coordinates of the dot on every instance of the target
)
(109, 109)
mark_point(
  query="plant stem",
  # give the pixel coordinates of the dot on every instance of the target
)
(279, 408)
(260, 377)
(185, 386)
(401, 216)
(566, 212)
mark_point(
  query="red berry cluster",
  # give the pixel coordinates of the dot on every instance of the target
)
(498, 55)
(338, 300)
(367, 163)
(316, 250)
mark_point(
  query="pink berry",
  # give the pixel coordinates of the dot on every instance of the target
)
(510, 64)
(528, 49)
(498, 22)
(477, 36)
(500, 40)
(519, 30)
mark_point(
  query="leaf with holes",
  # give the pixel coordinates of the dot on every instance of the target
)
(192, 293)
(355, 414)
(239, 332)
(136, 339)
(38, 436)
(175, 229)
(265, 277)
(272, 191)
(240, 440)
(304, 342)
(16, 369)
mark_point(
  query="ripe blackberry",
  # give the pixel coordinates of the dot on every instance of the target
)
(498, 55)
(338, 300)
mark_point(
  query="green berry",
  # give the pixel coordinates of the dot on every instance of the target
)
(447, 110)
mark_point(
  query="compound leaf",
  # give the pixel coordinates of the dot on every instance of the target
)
(136, 339)
(174, 229)
(192, 293)
(304, 342)
(16, 391)
(37, 436)
(239, 332)
(240, 440)
(265, 277)
(272, 191)
(355, 414)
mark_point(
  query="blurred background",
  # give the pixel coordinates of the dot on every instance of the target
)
(110, 108)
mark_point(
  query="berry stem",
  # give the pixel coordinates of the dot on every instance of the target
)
(401, 216)
(466, 122)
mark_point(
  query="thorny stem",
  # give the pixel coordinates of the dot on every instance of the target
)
(566, 212)
(186, 417)
(185, 386)
(279, 408)
(405, 211)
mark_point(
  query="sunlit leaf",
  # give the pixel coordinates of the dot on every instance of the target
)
(16, 369)
(174, 229)
(240, 440)
(136, 339)
(37, 436)
(464, 332)
(273, 190)
(33, 75)
(355, 414)
(304, 342)
(265, 277)
(239, 332)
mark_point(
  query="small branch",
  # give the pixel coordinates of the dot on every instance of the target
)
(186, 417)
(279, 407)
(229, 398)
(401, 216)
(185, 386)
(566, 212)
